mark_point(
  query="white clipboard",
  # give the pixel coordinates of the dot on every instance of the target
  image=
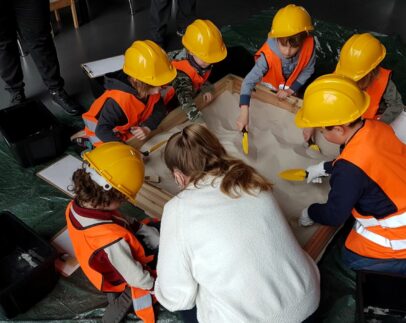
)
(103, 66)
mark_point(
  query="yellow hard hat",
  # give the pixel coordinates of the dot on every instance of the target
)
(360, 55)
(203, 39)
(120, 165)
(147, 62)
(289, 21)
(331, 100)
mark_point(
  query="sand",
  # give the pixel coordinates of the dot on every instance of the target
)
(275, 144)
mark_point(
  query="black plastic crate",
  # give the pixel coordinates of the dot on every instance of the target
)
(27, 271)
(381, 297)
(32, 132)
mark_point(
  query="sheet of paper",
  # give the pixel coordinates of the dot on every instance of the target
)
(98, 68)
(60, 173)
(66, 262)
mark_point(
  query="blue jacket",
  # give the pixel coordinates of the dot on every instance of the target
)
(350, 188)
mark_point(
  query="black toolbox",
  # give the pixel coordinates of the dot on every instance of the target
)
(32, 132)
(381, 297)
(27, 271)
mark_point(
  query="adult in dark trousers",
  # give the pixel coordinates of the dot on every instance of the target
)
(31, 18)
(160, 14)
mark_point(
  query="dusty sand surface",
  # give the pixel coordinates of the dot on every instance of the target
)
(275, 144)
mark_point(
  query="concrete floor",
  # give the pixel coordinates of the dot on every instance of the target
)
(110, 31)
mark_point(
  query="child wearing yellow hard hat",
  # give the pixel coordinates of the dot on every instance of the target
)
(360, 60)
(131, 105)
(284, 62)
(203, 47)
(367, 178)
(115, 253)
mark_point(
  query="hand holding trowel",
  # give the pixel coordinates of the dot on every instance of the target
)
(245, 141)
(313, 174)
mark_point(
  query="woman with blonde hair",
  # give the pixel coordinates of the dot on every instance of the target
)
(225, 246)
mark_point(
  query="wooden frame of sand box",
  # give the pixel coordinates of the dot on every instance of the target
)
(275, 144)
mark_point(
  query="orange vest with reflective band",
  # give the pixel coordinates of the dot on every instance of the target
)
(134, 109)
(87, 241)
(274, 76)
(376, 90)
(377, 151)
(197, 79)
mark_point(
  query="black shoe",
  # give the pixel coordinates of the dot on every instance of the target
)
(17, 97)
(62, 98)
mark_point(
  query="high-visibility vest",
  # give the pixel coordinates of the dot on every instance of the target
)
(377, 151)
(134, 109)
(376, 90)
(197, 79)
(87, 241)
(274, 77)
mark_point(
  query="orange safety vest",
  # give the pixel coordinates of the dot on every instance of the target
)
(134, 109)
(87, 241)
(197, 79)
(274, 76)
(376, 90)
(377, 151)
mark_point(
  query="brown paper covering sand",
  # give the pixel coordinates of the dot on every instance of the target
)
(275, 144)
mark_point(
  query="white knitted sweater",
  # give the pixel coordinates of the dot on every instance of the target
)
(235, 259)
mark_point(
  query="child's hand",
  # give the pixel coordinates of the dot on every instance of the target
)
(207, 97)
(308, 133)
(140, 132)
(243, 118)
(283, 94)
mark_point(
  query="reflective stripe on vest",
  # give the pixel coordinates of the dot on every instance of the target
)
(86, 241)
(394, 221)
(377, 151)
(90, 125)
(274, 76)
(379, 240)
(376, 90)
(134, 109)
(142, 302)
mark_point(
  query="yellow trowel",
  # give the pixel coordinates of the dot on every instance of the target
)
(313, 145)
(245, 141)
(153, 148)
(296, 174)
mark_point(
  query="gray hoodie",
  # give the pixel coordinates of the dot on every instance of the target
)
(288, 65)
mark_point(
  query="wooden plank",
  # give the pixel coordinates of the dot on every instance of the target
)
(150, 206)
(157, 191)
(319, 240)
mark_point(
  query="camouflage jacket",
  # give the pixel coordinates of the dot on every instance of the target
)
(391, 104)
(184, 88)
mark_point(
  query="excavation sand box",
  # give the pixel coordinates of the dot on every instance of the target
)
(275, 144)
